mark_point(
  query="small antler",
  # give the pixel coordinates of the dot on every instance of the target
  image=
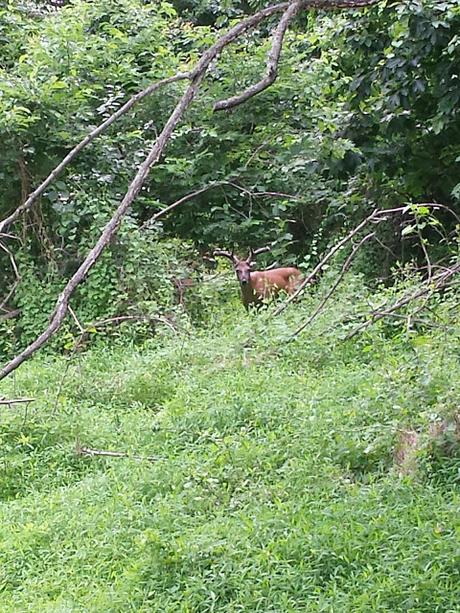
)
(225, 254)
(252, 253)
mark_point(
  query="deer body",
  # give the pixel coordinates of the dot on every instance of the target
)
(259, 285)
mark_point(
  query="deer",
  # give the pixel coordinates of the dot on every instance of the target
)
(259, 285)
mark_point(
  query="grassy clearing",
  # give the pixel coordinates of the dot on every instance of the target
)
(274, 487)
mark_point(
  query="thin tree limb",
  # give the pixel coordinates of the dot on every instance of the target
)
(29, 202)
(76, 320)
(277, 43)
(345, 268)
(244, 190)
(15, 268)
(437, 283)
(12, 260)
(377, 216)
(10, 314)
(9, 294)
(309, 278)
(9, 401)
(272, 62)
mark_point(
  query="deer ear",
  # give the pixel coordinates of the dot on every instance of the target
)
(252, 265)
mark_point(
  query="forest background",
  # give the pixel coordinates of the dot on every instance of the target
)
(364, 115)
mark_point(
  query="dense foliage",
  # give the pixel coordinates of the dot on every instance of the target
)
(231, 465)
(365, 112)
(274, 483)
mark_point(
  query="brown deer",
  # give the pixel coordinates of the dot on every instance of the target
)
(259, 285)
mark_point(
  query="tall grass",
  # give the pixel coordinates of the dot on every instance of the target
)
(273, 486)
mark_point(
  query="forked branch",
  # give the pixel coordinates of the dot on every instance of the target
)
(432, 284)
(272, 62)
(342, 273)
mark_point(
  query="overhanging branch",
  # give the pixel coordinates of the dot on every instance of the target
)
(272, 63)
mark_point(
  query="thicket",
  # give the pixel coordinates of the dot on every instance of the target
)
(364, 114)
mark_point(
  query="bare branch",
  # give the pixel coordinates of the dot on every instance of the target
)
(29, 202)
(345, 268)
(376, 217)
(15, 268)
(9, 294)
(437, 282)
(76, 320)
(186, 198)
(9, 401)
(277, 43)
(244, 190)
(88, 451)
(12, 260)
(10, 314)
(309, 278)
(272, 62)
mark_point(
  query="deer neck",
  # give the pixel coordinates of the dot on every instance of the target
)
(247, 293)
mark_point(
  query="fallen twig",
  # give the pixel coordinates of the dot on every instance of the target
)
(81, 450)
(9, 401)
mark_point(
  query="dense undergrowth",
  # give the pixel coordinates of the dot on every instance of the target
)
(273, 484)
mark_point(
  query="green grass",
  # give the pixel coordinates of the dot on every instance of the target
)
(273, 487)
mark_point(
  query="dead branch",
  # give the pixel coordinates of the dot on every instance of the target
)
(186, 198)
(9, 401)
(344, 269)
(436, 283)
(89, 452)
(415, 320)
(10, 314)
(277, 42)
(309, 278)
(14, 266)
(76, 320)
(11, 291)
(377, 216)
(30, 201)
(272, 62)
(244, 190)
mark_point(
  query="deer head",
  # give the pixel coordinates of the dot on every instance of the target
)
(242, 267)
